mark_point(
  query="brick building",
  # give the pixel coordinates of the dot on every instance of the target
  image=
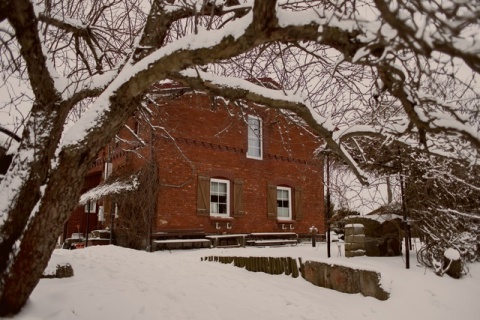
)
(222, 168)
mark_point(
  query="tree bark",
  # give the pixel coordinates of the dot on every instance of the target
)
(44, 187)
(37, 230)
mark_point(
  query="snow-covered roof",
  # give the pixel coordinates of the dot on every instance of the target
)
(109, 188)
(382, 217)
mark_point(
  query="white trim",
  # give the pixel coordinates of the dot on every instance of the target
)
(289, 203)
(251, 135)
(93, 206)
(101, 213)
(227, 182)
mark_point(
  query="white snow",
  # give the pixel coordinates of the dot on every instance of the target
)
(452, 254)
(354, 225)
(205, 39)
(109, 189)
(117, 283)
(381, 218)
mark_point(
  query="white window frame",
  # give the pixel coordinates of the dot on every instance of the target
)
(251, 136)
(216, 214)
(93, 206)
(289, 217)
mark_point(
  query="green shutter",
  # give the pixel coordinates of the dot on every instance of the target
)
(271, 201)
(203, 196)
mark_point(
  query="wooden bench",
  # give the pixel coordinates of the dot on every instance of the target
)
(272, 238)
(181, 244)
(227, 240)
(180, 239)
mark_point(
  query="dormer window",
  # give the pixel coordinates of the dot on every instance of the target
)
(255, 150)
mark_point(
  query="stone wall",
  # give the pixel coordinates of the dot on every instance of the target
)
(382, 238)
(345, 279)
(326, 275)
(354, 240)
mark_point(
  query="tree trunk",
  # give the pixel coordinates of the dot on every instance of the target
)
(389, 190)
(44, 201)
(27, 262)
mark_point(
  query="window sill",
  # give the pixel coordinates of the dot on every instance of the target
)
(221, 219)
(279, 221)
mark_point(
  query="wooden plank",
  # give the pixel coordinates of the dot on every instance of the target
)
(263, 234)
(182, 241)
(223, 236)
(240, 239)
(275, 241)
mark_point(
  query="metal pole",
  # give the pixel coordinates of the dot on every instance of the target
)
(405, 222)
(112, 216)
(88, 222)
(328, 206)
(150, 213)
(112, 208)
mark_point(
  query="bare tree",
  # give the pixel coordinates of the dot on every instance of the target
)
(336, 59)
(136, 209)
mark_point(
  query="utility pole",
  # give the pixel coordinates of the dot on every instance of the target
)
(150, 208)
(112, 209)
(112, 216)
(88, 222)
(328, 205)
(406, 228)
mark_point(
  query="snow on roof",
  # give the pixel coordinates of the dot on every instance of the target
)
(452, 254)
(381, 218)
(108, 189)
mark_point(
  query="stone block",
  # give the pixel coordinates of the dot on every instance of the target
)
(355, 238)
(354, 246)
(345, 279)
(355, 253)
(353, 229)
(62, 271)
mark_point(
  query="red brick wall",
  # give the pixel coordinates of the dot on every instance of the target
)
(212, 140)
(194, 136)
(78, 219)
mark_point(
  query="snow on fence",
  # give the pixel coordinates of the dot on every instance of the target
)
(287, 266)
(327, 275)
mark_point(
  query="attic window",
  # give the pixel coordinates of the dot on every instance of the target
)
(255, 150)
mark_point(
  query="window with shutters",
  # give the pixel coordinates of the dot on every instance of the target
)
(219, 197)
(255, 149)
(215, 198)
(284, 203)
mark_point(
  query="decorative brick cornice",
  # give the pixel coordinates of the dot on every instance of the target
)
(221, 147)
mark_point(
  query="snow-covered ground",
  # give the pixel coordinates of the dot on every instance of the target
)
(117, 283)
